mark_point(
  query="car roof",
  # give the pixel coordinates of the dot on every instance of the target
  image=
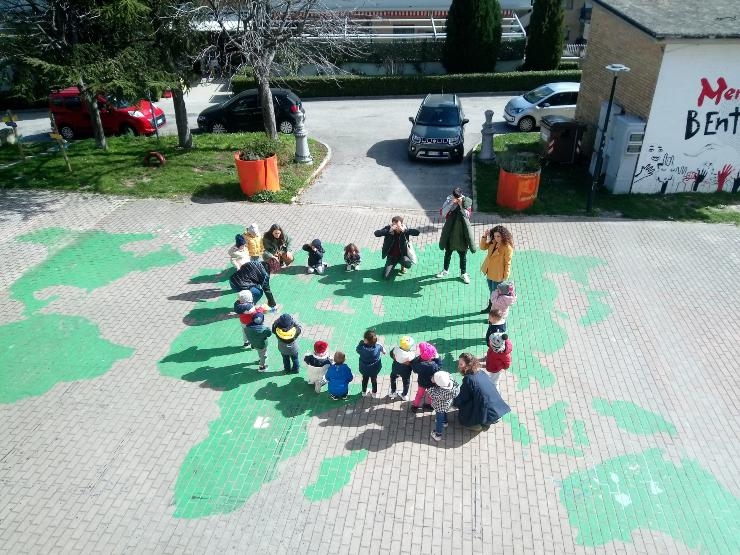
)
(564, 86)
(441, 100)
(66, 92)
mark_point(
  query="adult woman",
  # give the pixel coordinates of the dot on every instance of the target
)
(479, 403)
(457, 235)
(254, 276)
(499, 245)
(277, 248)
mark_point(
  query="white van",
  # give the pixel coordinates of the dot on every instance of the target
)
(556, 99)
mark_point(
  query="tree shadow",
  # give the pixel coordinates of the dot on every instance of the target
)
(27, 204)
(199, 296)
(225, 378)
(195, 354)
(222, 276)
(203, 316)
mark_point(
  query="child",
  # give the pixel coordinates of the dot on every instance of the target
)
(315, 257)
(287, 330)
(238, 252)
(317, 364)
(498, 356)
(244, 307)
(370, 352)
(402, 357)
(338, 377)
(258, 333)
(496, 323)
(503, 297)
(352, 257)
(254, 242)
(425, 365)
(444, 390)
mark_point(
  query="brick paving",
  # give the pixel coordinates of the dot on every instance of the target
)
(639, 313)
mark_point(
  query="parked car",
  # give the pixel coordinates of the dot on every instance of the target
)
(243, 112)
(438, 131)
(72, 115)
(558, 99)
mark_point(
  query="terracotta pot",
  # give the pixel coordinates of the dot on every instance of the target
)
(257, 175)
(517, 190)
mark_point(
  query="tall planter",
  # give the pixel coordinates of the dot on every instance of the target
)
(517, 190)
(257, 175)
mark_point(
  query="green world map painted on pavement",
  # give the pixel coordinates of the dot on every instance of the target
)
(267, 414)
(50, 346)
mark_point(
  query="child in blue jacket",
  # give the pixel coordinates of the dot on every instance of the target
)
(370, 352)
(338, 377)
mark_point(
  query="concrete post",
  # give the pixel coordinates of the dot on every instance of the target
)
(486, 145)
(302, 154)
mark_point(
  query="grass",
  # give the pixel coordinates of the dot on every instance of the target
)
(207, 170)
(563, 191)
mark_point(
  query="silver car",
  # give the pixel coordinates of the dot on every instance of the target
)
(559, 99)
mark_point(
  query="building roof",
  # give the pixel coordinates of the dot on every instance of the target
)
(666, 19)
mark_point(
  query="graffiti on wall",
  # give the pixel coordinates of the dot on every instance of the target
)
(692, 139)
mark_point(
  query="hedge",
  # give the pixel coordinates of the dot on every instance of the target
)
(357, 85)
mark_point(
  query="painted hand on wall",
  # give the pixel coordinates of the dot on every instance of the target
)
(722, 176)
(699, 176)
(736, 183)
(646, 171)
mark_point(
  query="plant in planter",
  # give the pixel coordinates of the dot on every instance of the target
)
(519, 178)
(257, 167)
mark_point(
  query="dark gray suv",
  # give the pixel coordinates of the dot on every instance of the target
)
(439, 128)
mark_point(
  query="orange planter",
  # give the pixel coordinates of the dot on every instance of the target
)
(257, 175)
(517, 190)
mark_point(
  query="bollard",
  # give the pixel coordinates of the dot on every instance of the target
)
(486, 145)
(302, 154)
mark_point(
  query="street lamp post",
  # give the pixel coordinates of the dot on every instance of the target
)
(616, 69)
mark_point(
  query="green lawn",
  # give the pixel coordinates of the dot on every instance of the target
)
(206, 170)
(564, 189)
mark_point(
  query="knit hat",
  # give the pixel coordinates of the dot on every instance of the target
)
(245, 296)
(320, 348)
(239, 240)
(442, 379)
(253, 229)
(258, 319)
(316, 243)
(497, 341)
(506, 288)
(427, 351)
(406, 343)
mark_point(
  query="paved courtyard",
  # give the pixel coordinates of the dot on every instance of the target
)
(132, 420)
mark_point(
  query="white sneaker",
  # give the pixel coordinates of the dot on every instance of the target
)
(442, 274)
(356, 267)
(465, 278)
(392, 394)
(349, 267)
(404, 397)
(309, 270)
(368, 393)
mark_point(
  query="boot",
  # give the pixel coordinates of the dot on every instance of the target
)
(487, 309)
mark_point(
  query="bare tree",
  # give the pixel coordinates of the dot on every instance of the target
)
(296, 31)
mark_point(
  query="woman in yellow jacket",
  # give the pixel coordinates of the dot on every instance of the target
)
(499, 245)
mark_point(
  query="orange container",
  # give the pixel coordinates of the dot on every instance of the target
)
(517, 190)
(257, 175)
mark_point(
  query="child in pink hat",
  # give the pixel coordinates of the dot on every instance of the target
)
(424, 365)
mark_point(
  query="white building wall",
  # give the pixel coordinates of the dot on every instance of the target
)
(692, 139)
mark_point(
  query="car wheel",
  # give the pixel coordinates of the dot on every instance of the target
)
(286, 126)
(526, 124)
(412, 157)
(128, 131)
(218, 128)
(458, 158)
(67, 132)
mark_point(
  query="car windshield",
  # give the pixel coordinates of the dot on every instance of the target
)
(118, 102)
(443, 117)
(533, 97)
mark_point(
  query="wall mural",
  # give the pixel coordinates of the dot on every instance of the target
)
(692, 139)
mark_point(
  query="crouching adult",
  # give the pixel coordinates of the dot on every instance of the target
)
(479, 403)
(254, 276)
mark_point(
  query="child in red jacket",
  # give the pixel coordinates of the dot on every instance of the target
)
(498, 356)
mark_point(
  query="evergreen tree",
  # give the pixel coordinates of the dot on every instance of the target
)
(473, 36)
(546, 35)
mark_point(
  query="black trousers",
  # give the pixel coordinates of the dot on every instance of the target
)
(405, 380)
(373, 380)
(463, 260)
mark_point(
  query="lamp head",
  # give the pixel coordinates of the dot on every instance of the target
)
(617, 68)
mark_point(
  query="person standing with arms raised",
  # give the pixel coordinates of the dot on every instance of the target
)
(457, 234)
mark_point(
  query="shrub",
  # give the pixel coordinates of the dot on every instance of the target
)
(356, 85)
(473, 36)
(546, 35)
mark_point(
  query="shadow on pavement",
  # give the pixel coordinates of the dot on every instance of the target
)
(226, 378)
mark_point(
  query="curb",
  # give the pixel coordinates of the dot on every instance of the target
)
(315, 173)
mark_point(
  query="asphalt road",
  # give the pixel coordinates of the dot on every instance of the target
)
(367, 137)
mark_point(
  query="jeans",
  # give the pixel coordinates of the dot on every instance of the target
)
(440, 419)
(492, 285)
(373, 381)
(405, 380)
(463, 260)
(287, 360)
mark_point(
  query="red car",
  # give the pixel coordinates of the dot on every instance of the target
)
(72, 115)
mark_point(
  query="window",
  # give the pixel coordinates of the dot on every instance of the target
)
(73, 103)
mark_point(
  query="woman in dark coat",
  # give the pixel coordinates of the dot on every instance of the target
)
(457, 234)
(479, 403)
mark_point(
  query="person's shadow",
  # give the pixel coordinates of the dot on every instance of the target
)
(225, 378)
(370, 281)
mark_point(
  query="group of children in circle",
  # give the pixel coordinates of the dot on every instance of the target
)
(436, 389)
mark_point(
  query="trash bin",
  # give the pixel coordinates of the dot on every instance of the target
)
(561, 138)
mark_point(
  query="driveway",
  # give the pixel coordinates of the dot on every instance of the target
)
(369, 166)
